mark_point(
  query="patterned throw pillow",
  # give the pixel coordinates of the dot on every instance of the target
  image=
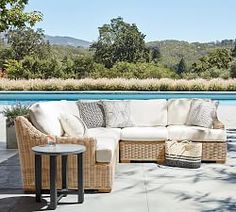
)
(117, 113)
(202, 113)
(92, 113)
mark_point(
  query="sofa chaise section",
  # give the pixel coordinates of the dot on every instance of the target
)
(148, 143)
(214, 146)
(213, 140)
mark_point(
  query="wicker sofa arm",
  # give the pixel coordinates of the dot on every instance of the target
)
(28, 136)
(217, 124)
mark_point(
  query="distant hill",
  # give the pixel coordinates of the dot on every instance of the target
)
(67, 41)
(173, 50)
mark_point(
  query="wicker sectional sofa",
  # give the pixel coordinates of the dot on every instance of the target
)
(154, 122)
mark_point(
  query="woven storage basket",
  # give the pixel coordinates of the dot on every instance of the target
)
(185, 154)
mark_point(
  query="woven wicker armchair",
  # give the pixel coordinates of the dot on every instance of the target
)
(97, 176)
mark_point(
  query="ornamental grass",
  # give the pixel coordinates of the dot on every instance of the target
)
(118, 84)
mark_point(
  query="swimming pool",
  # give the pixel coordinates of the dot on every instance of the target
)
(12, 97)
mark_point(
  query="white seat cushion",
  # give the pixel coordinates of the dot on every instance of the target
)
(105, 149)
(144, 134)
(104, 132)
(107, 142)
(178, 110)
(148, 113)
(195, 133)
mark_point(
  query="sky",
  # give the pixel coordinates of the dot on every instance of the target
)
(189, 20)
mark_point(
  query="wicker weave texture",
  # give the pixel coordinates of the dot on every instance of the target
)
(214, 151)
(96, 176)
(142, 150)
(155, 151)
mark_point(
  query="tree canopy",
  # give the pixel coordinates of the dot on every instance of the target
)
(234, 51)
(25, 41)
(155, 53)
(219, 58)
(181, 67)
(119, 41)
(12, 14)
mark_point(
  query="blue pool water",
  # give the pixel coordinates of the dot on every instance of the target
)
(9, 98)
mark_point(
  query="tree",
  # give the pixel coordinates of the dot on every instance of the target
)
(233, 69)
(119, 41)
(5, 54)
(233, 51)
(83, 65)
(181, 67)
(155, 53)
(219, 58)
(25, 41)
(12, 15)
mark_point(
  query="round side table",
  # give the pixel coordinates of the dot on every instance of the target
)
(53, 151)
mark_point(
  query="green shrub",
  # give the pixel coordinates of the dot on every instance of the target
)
(15, 70)
(15, 110)
(33, 68)
(133, 70)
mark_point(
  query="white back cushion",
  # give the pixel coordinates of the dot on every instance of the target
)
(148, 113)
(178, 110)
(45, 115)
(70, 107)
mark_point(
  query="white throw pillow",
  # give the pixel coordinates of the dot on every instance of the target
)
(117, 113)
(72, 125)
(44, 116)
(202, 113)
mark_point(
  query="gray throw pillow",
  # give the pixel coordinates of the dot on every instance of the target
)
(117, 113)
(92, 113)
(202, 113)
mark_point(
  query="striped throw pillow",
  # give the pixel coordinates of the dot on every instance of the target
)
(184, 154)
